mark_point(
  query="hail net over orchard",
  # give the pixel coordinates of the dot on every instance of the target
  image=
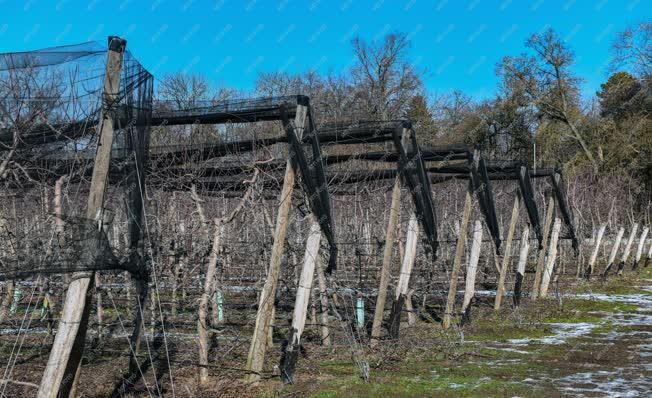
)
(50, 105)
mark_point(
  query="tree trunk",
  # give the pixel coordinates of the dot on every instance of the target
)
(207, 293)
(544, 248)
(381, 299)
(459, 252)
(323, 299)
(500, 291)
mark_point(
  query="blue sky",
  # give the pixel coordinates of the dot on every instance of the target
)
(459, 42)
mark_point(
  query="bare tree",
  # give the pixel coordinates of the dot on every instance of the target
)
(385, 80)
(633, 47)
(546, 81)
(184, 90)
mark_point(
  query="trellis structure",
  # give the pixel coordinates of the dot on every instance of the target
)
(66, 143)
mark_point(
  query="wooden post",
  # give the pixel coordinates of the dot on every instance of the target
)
(65, 356)
(459, 253)
(520, 269)
(500, 291)
(323, 300)
(596, 249)
(552, 256)
(404, 276)
(614, 252)
(379, 311)
(639, 249)
(291, 354)
(542, 253)
(256, 356)
(472, 267)
(628, 248)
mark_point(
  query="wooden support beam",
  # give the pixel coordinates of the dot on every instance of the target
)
(544, 248)
(61, 370)
(628, 248)
(594, 252)
(291, 354)
(500, 291)
(258, 346)
(457, 261)
(614, 252)
(552, 256)
(472, 267)
(404, 276)
(639, 249)
(520, 269)
(390, 235)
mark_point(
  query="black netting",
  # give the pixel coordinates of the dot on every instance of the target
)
(81, 245)
(50, 105)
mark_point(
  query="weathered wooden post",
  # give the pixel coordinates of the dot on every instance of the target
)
(304, 287)
(614, 252)
(404, 276)
(628, 248)
(472, 268)
(65, 356)
(500, 291)
(552, 256)
(390, 235)
(542, 253)
(596, 249)
(520, 269)
(639, 249)
(459, 253)
(264, 315)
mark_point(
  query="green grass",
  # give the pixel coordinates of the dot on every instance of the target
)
(426, 379)
(502, 330)
(440, 366)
